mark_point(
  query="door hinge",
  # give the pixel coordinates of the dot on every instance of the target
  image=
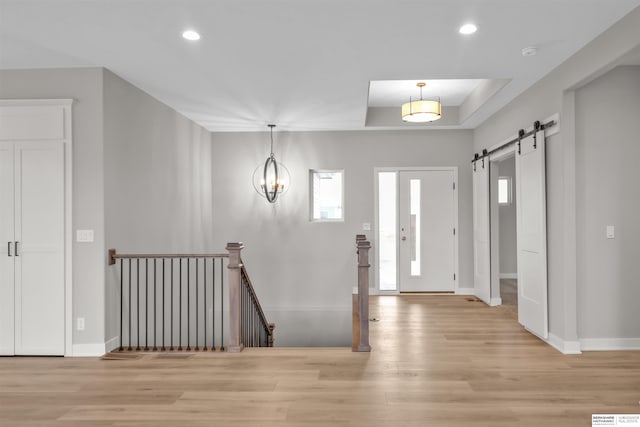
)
(454, 185)
(454, 231)
(454, 276)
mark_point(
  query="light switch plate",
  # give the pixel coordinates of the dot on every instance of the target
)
(611, 232)
(84, 235)
(366, 226)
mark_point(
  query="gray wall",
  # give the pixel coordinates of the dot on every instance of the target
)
(304, 272)
(84, 85)
(554, 94)
(141, 180)
(508, 242)
(158, 188)
(607, 154)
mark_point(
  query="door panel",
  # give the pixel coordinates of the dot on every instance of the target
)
(532, 235)
(481, 232)
(426, 220)
(39, 281)
(7, 327)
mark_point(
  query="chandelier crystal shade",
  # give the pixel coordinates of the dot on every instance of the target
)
(271, 179)
(421, 110)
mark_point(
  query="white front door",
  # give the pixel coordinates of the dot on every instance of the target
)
(481, 246)
(532, 234)
(427, 234)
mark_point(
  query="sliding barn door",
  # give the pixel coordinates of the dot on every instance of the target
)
(532, 234)
(481, 232)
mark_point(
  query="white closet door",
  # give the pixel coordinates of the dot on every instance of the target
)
(481, 233)
(6, 250)
(532, 235)
(39, 261)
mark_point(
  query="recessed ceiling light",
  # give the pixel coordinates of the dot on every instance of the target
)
(468, 29)
(191, 35)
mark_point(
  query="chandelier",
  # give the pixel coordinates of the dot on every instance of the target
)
(271, 179)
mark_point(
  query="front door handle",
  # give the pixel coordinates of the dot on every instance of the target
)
(404, 238)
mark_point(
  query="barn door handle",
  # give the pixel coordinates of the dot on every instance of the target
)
(15, 248)
(9, 249)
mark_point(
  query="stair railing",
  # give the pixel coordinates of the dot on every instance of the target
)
(179, 302)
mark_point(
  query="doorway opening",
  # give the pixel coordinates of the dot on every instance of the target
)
(416, 223)
(504, 233)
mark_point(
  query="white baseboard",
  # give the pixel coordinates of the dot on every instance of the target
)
(465, 291)
(564, 347)
(495, 301)
(95, 350)
(611, 344)
(508, 275)
(111, 344)
(88, 350)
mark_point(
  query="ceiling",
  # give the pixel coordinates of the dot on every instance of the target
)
(305, 65)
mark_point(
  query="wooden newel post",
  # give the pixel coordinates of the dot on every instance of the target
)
(235, 286)
(363, 294)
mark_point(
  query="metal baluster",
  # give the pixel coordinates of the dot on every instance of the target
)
(221, 305)
(180, 309)
(163, 318)
(146, 304)
(129, 264)
(242, 322)
(121, 302)
(197, 319)
(138, 300)
(204, 304)
(188, 304)
(171, 331)
(155, 304)
(213, 304)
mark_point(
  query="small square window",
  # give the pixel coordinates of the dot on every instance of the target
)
(326, 194)
(504, 190)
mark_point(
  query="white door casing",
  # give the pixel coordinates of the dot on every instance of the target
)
(532, 234)
(426, 235)
(35, 194)
(481, 231)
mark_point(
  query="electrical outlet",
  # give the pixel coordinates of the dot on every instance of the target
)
(611, 232)
(80, 325)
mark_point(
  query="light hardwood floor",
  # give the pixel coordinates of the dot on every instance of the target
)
(436, 361)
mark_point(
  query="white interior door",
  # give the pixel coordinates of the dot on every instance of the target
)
(39, 257)
(426, 222)
(481, 231)
(7, 240)
(532, 235)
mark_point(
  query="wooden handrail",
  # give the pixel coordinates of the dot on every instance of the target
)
(113, 256)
